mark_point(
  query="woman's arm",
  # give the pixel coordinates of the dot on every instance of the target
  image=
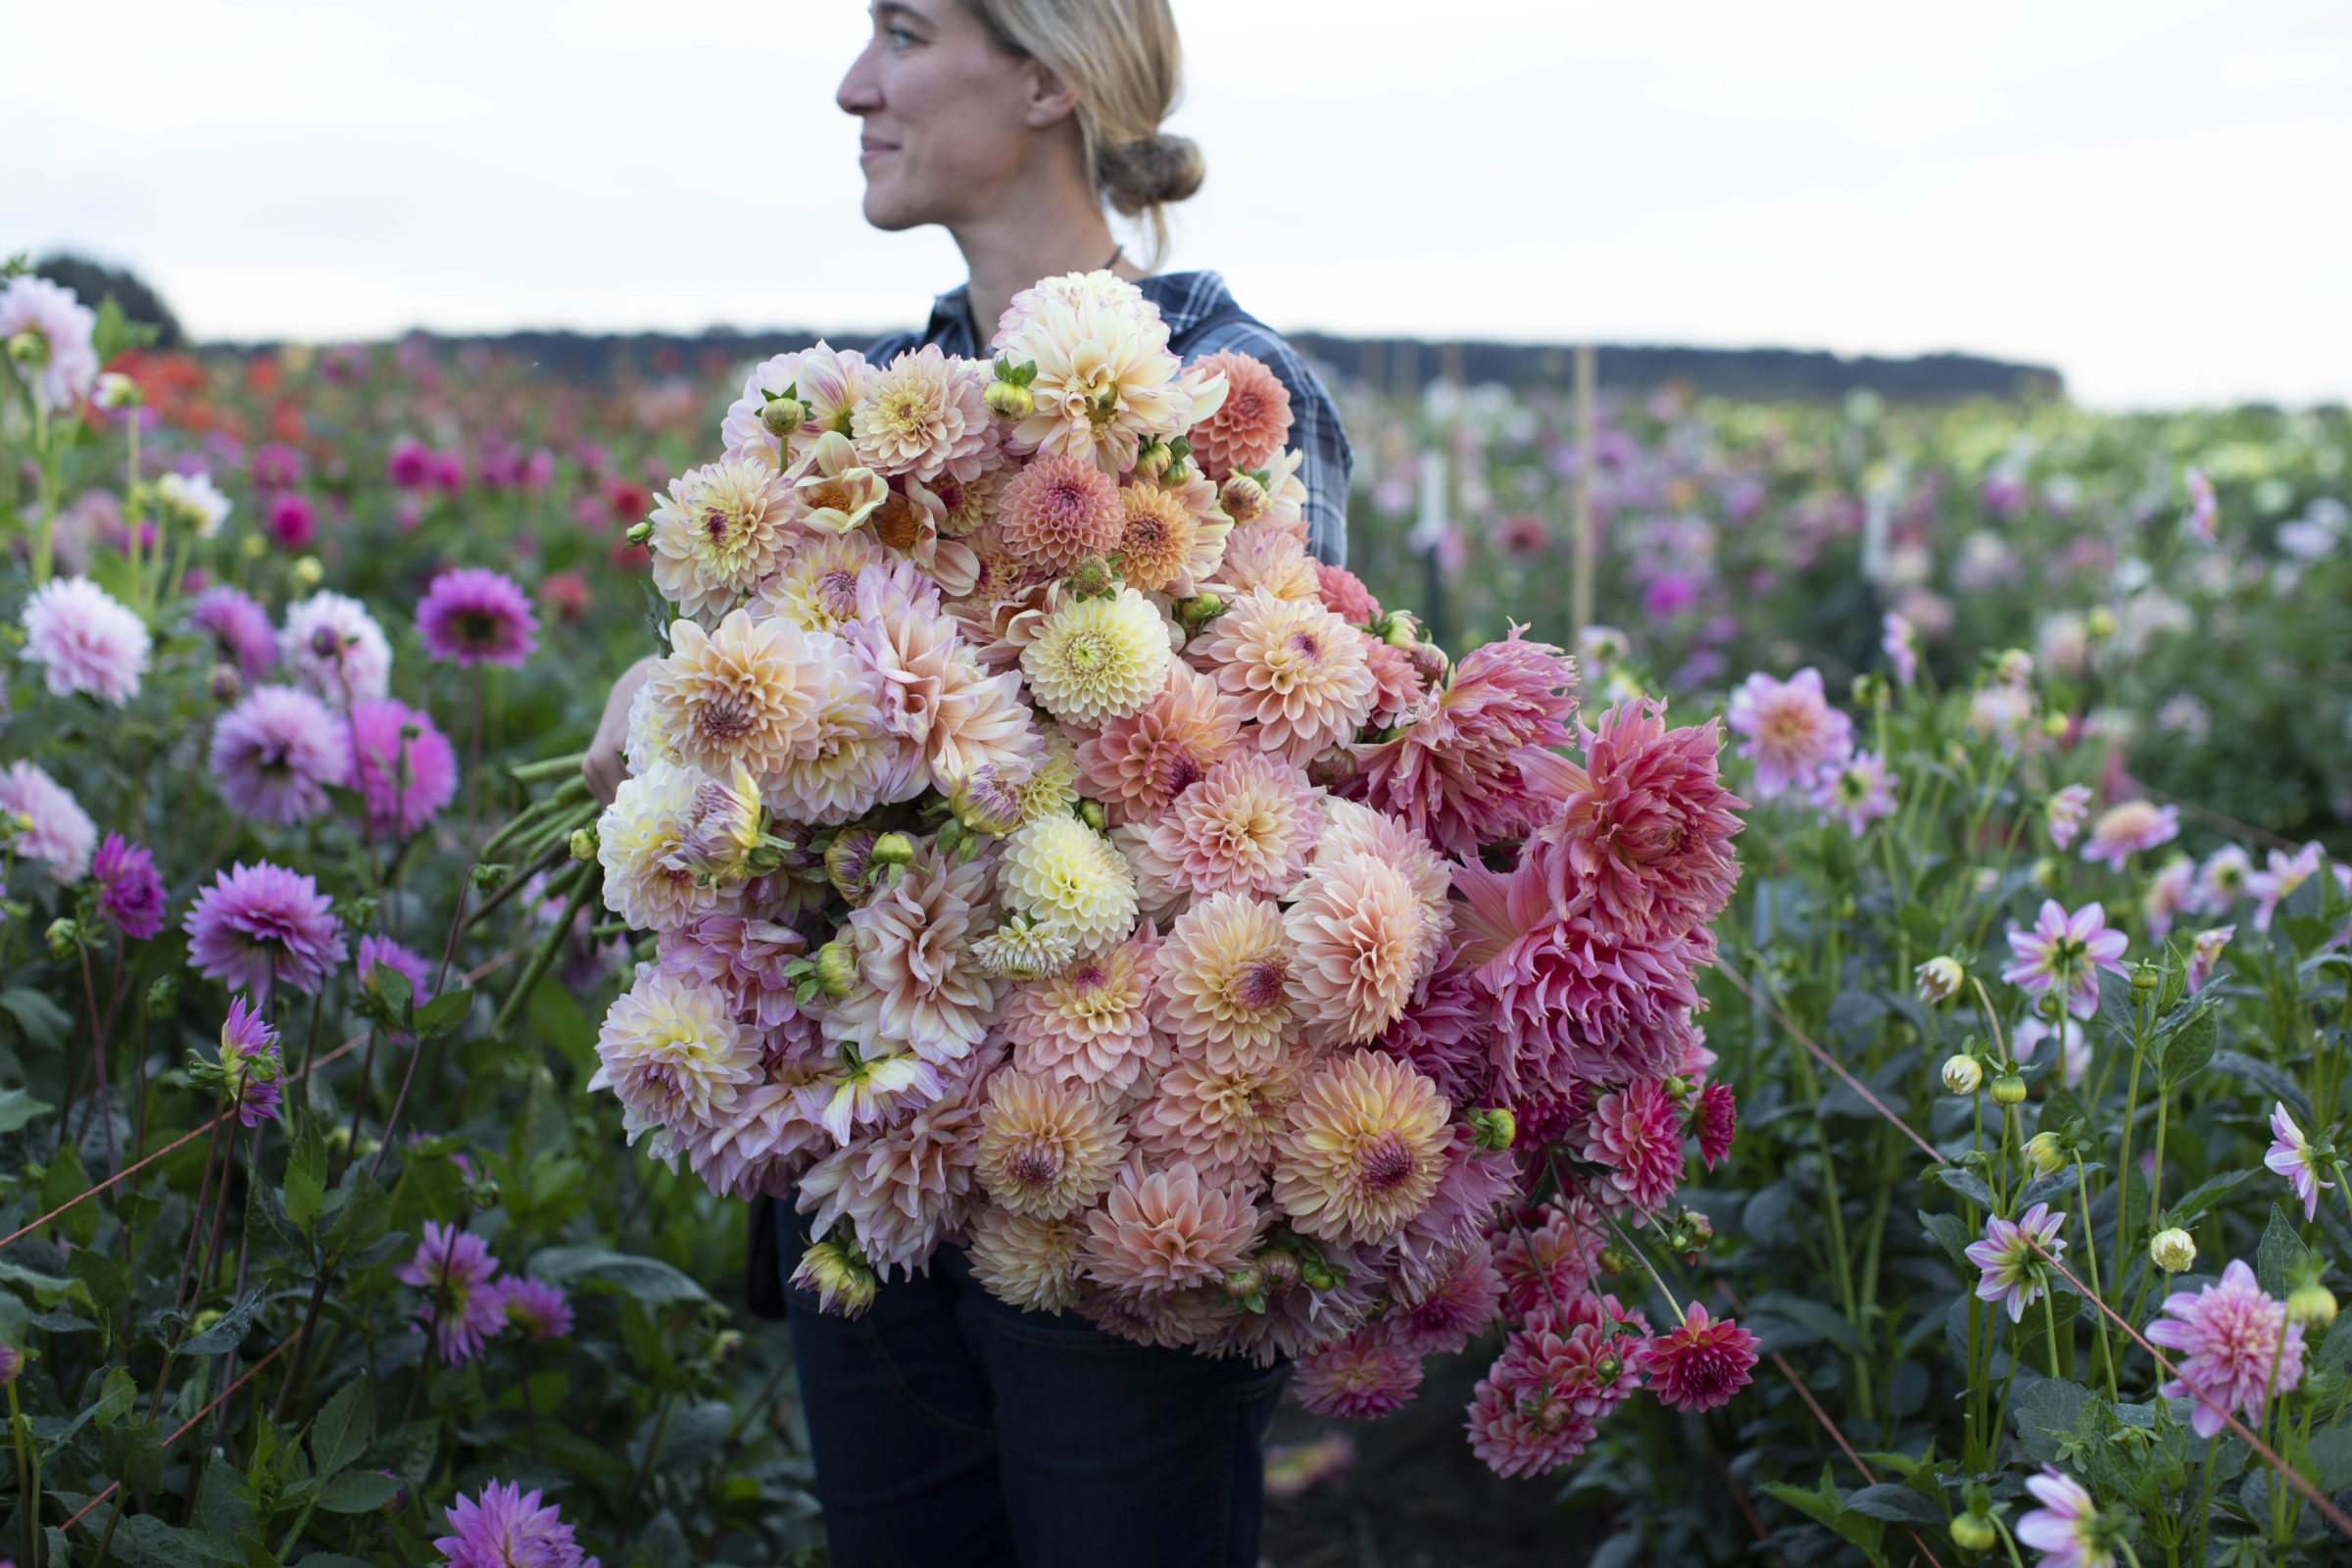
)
(606, 765)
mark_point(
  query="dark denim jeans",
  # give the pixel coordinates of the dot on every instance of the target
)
(953, 1431)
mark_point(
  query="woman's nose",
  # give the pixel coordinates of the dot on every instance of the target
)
(861, 89)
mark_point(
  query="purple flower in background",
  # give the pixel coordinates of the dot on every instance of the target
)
(276, 466)
(2066, 1529)
(240, 631)
(401, 765)
(1857, 793)
(2285, 873)
(67, 327)
(376, 950)
(2204, 508)
(1792, 730)
(55, 828)
(129, 892)
(2074, 1045)
(446, 473)
(2292, 1156)
(291, 520)
(534, 1306)
(259, 920)
(276, 752)
(1667, 594)
(539, 470)
(2123, 831)
(250, 1063)
(461, 1308)
(410, 465)
(2065, 814)
(1898, 640)
(2064, 954)
(474, 616)
(2013, 1273)
(2205, 952)
(506, 1528)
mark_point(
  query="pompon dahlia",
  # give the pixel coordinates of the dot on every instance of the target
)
(1701, 1363)
(1466, 1297)
(1456, 775)
(1637, 1133)
(849, 758)
(747, 691)
(1645, 824)
(1358, 938)
(239, 628)
(130, 894)
(1027, 1262)
(506, 1528)
(400, 764)
(1344, 595)
(1360, 1378)
(1249, 427)
(815, 585)
(1297, 668)
(53, 829)
(1246, 829)
(473, 615)
(274, 753)
(1223, 1124)
(924, 416)
(261, 924)
(1397, 689)
(1225, 982)
(1167, 1230)
(1059, 511)
(1092, 1023)
(672, 1053)
(1519, 1426)
(1546, 1267)
(1363, 1149)
(1263, 559)
(1155, 543)
(923, 989)
(1095, 660)
(84, 641)
(637, 838)
(335, 651)
(902, 1188)
(1136, 765)
(1062, 873)
(1047, 1148)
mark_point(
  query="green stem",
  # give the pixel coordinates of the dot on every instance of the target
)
(2091, 1253)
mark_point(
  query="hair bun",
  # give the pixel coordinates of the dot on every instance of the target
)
(1146, 172)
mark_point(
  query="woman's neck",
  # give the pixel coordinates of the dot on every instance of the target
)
(1055, 228)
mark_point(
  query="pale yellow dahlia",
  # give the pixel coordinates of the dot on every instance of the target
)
(638, 837)
(922, 987)
(1156, 543)
(848, 759)
(1225, 982)
(1046, 1148)
(1297, 668)
(1362, 1150)
(1064, 873)
(747, 691)
(836, 491)
(1099, 658)
(1246, 829)
(1265, 558)
(1356, 937)
(719, 530)
(923, 415)
(649, 742)
(1167, 1230)
(1092, 1022)
(1050, 790)
(1027, 1262)
(815, 586)
(1224, 1123)
(1022, 950)
(1135, 767)
(674, 1057)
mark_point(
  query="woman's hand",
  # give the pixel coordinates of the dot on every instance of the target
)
(605, 765)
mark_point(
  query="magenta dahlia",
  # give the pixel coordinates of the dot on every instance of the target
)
(1701, 1364)
(1360, 1378)
(506, 1528)
(402, 765)
(262, 923)
(129, 892)
(473, 615)
(461, 1308)
(1637, 1133)
(239, 628)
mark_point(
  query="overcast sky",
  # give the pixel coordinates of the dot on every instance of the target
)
(2149, 194)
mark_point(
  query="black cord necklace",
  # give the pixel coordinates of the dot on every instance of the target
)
(1116, 251)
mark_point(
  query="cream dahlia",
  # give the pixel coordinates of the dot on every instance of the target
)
(1062, 873)
(1091, 1023)
(1137, 765)
(639, 838)
(1249, 430)
(1357, 937)
(1051, 789)
(1059, 511)
(1246, 829)
(924, 416)
(902, 1188)
(828, 381)
(835, 491)
(848, 758)
(716, 533)
(1167, 1230)
(1225, 982)
(674, 1057)
(747, 691)
(1362, 1150)
(1106, 381)
(980, 721)
(924, 989)
(1047, 1148)
(1095, 660)
(1027, 1262)
(1297, 668)
(1022, 950)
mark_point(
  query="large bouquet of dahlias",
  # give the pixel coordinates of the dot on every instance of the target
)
(1049, 857)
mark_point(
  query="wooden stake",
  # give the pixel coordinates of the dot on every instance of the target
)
(1586, 377)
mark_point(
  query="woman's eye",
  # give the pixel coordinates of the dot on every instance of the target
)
(900, 38)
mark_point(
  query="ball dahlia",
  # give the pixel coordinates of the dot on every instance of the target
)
(1363, 1149)
(1356, 937)
(1059, 511)
(1155, 543)
(1091, 1023)
(263, 925)
(1094, 660)
(84, 641)
(671, 1053)
(1249, 427)
(1247, 828)
(924, 416)
(1047, 1148)
(1062, 873)
(1225, 982)
(1167, 1230)
(1296, 670)
(747, 691)
(1136, 764)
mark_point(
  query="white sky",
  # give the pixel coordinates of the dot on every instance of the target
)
(2149, 194)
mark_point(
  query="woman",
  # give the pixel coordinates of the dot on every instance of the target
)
(950, 1429)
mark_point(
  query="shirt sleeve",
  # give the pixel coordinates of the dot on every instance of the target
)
(1316, 430)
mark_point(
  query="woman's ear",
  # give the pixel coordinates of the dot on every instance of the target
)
(1048, 99)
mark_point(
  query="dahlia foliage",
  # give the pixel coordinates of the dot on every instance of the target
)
(1048, 857)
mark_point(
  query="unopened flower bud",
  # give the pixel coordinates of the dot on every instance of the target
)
(2055, 725)
(225, 685)
(29, 349)
(308, 572)
(894, 849)
(2311, 1305)
(1615, 1259)
(848, 861)
(1008, 401)
(255, 548)
(1429, 662)
(1195, 613)
(12, 1362)
(1400, 632)
(837, 968)
(2042, 1148)
(116, 390)
(1152, 460)
(162, 995)
(583, 843)
(2146, 977)
(64, 937)
(2008, 1090)
(2046, 875)
(640, 532)
(1975, 1532)
(1278, 1272)
(840, 1277)
(1870, 691)
(727, 1345)
(1091, 578)
(1554, 1414)
(2172, 1249)
(491, 875)
(2100, 622)
(986, 801)
(1962, 1075)
(2015, 666)
(1609, 1367)
(1494, 1128)
(1243, 498)
(1091, 813)
(1244, 1279)
(1940, 978)
(783, 414)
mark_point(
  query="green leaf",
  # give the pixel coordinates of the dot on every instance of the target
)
(132, 1452)
(107, 1282)
(2331, 1453)
(2189, 1051)
(366, 1214)
(2117, 1005)
(357, 1492)
(2047, 1189)
(1968, 1184)
(16, 1108)
(444, 1013)
(2337, 1349)
(393, 986)
(44, 1023)
(145, 1541)
(339, 1432)
(1946, 1231)
(306, 1176)
(116, 1396)
(1822, 1318)
(2058, 1108)
(648, 1278)
(2201, 1197)
(64, 1182)
(228, 1332)
(1896, 1504)
(2045, 1410)
(2281, 1254)
(47, 1289)
(2268, 1079)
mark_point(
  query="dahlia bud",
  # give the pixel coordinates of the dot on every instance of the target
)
(2046, 874)
(840, 1277)
(986, 801)
(2100, 622)
(1091, 813)
(640, 532)
(1244, 1279)
(1008, 399)
(225, 685)
(2008, 1090)
(1319, 1275)
(116, 390)
(1278, 1271)
(1872, 691)
(1615, 1259)
(2055, 725)
(727, 1346)
(1975, 1532)
(1429, 662)
(2045, 1150)
(308, 572)
(29, 349)
(1554, 1414)
(893, 848)
(1962, 1075)
(1152, 460)
(1609, 1367)
(1243, 498)
(255, 548)
(1494, 1128)
(583, 843)
(837, 968)
(1940, 979)
(2172, 1249)
(2015, 666)
(783, 413)
(2146, 977)
(848, 859)
(1091, 578)
(1400, 631)
(12, 1362)
(1195, 613)
(162, 995)
(491, 875)
(327, 642)
(64, 937)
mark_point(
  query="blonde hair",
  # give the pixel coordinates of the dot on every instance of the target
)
(1123, 63)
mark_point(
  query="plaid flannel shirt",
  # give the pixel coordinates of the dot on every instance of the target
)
(1202, 318)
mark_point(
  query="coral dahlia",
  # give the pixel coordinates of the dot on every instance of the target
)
(1136, 764)
(1165, 1230)
(1059, 511)
(1363, 1149)
(1249, 427)
(1246, 829)
(1297, 668)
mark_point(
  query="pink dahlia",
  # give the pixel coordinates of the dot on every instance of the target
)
(2064, 954)
(276, 752)
(1539, 1403)
(1362, 1150)
(2013, 1271)
(921, 987)
(129, 892)
(1701, 1364)
(1856, 792)
(239, 628)
(1295, 669)
(473, 615)
(1637, 1133)
(2205, 952)
(1898, 640)
(1448, 1037)
(261, 924)
(506, 1528)
(250, 1063)
(925, 416)
(400, 764)
(1644, 824)
(1715, 1118)
(1466, 1297)
(1137, 765)
(901, 1189)
(2066, 1529)
(1059, 511)
(2063, 815)
(748, 959)
(334, 650)
(1093, 1023)
(69, 362)
(2123, 831)
(2170, 892)
(1397, 689)
(84, 641)
(2239, 1350)
(1357, 935)
(1547, 1266)
(534, 1306)
(291, 520)
(1476, 1183)
(1246, 829)
(2271, 887)
(1249, 427)
(1792, 730)
(452, 1269)
(1456, 776)
(2292, 1156)
(1225, 982)
(1268, 560)
(1361, 1378)
(53, 829)
(1167, 1230)
(1344, 595)
(1171, 1320)
(1223, 1124)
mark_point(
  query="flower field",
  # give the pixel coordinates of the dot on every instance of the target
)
(1987, 1206)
